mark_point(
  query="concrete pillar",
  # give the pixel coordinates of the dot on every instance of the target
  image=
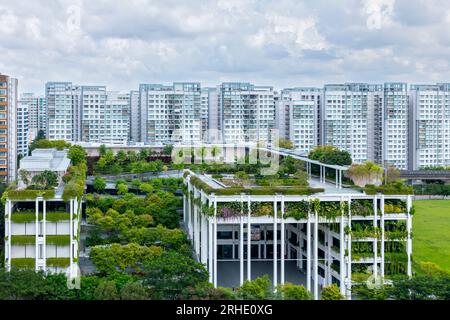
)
(36, 247)
(316, 256)
(241, 250)
(44, 232)
(210, 250)
(275, 243)
(308, 252)
(408, 228)
(282, 240)
(349, 257)
(249, 243)
(215, 242)
(375, 241)
(342, 255)
(382, 236)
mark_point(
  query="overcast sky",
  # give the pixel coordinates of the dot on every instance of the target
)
(283, 43)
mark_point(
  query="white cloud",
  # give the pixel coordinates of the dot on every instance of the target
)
(277, 42)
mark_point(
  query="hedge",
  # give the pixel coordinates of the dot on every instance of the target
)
(23, 240)
(200, 184)
(58, 216)
(58, 262)
(23, 262)
(61, 240)
(31, 217)
(30, 194)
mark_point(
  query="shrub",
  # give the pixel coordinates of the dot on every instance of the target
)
(332, 292)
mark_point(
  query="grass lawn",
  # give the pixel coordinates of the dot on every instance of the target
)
(431, 232)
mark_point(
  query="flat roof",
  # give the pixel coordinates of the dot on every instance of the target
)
(45, 159)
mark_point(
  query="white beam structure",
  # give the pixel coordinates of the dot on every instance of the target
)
(249, 242)
(283, 236)
(275, 243)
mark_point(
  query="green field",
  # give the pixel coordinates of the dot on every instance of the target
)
(431, 232)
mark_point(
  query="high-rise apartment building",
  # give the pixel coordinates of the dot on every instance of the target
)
(23, 133)
(429, 132)
(391, 137)
(93, 102)
(298, 116)
(348, 118)
(170, 114)
(37, 112)
(247, 112)
(117, 118)
(8, 128)
(135, 119)
(63, 111)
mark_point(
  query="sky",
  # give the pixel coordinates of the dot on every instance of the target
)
(283, 43)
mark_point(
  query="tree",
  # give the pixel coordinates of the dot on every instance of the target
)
(392, 174)
(146, 188)
(76, 154)
(133, 291)
(289, 291)
(143, 154)
(285, 144)
(366, 173)
(22, 284)
(24, 176)
(331, 155)
(170, 273)
(99, 184)
(45, 180)
(258, 289)
(122, 188)
(102, 150)
(168, 149)
(106, 290)
(332, 292)
(121, 156)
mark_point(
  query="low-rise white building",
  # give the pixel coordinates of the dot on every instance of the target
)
(42, 228)
(316, 238)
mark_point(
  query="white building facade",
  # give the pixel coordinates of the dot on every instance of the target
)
(23, 133)
(429, 126)
(313, 249)
(170, 114)
(247, 112)
(63, 111)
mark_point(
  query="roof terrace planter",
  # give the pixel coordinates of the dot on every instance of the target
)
(363, 208)
(23, 240)
(26, 194)
(297, 210)
(58, 240)
(58, 262)
(28, 217)
(23, 263)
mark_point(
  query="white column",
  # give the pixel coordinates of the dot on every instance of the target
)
(204, 243)
(382, 236)
(241, 250)
(316, 256)
(299, 251)
(44, 232)
(215, 242)
(275, 243)
(349, 257)
(282, 240)
(249, 243)
(71, 206)
(9, 212)
(196, 231)
(342, 256)
(408, 228)
(37, 234)
(375, 241)
(308, 252)
(210, 250)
